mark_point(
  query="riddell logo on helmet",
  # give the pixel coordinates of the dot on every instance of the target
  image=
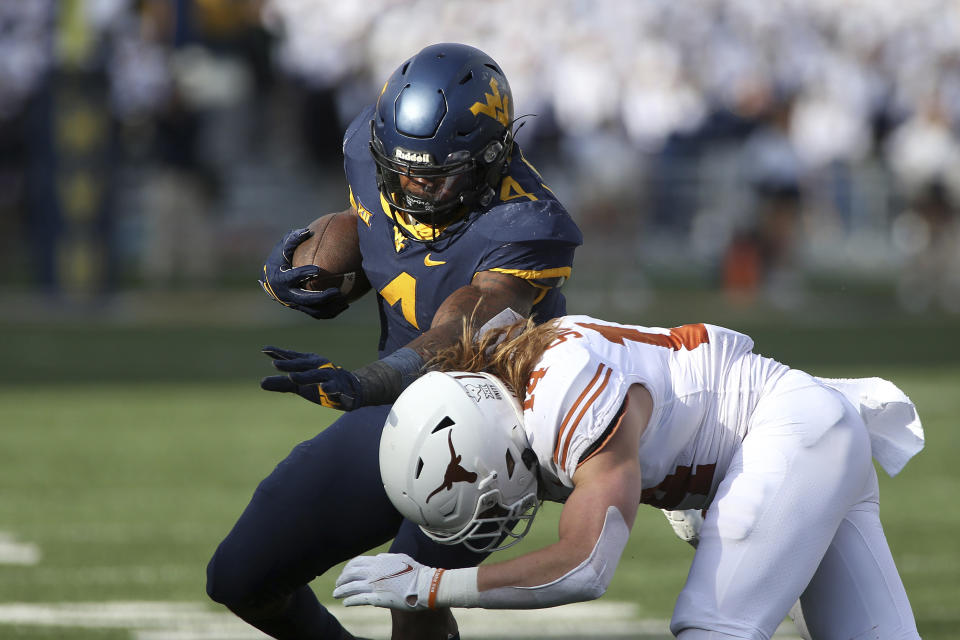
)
(415, 157)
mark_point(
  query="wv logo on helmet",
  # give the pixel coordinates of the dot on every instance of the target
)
(454, 472)
(495, 106)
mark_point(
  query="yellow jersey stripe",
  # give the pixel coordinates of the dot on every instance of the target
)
(530, 274)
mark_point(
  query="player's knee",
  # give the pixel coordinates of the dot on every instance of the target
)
(246, 594)
(228, 584)
(247, 598)
(220, 588)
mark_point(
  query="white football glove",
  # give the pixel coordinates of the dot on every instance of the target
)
(686, 524)
(393, 580)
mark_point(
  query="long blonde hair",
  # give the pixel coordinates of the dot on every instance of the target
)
(509, 352)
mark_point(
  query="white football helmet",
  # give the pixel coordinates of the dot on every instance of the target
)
(454, 458)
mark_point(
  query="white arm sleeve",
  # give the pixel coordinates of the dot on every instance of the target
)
(589, 580)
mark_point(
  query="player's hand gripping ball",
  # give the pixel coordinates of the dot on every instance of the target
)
(317, 270)
(334, 248)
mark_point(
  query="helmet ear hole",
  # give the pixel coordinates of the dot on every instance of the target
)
(511, 464)
(493, 151)
(443, 424)
(416, 474)
(529, 458)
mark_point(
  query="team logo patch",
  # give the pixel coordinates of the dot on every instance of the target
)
(483, 391)
(364, 214)
(496, 106)
(399, 240)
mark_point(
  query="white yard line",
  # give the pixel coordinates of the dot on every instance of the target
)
(14, 552)
(195, 621)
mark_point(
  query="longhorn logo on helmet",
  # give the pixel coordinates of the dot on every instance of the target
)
(454, 472)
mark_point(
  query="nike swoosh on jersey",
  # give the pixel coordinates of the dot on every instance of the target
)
(432, 263)
(406, 569)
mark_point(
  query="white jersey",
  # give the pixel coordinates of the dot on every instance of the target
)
(783, 460)
(705, 382)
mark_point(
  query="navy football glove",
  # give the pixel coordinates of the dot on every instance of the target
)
(284, 283)
(315, 378)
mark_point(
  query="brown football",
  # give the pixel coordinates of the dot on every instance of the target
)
(335, 248)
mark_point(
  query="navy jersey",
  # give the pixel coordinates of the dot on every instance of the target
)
(524, 232)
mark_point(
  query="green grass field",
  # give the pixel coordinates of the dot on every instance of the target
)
(126, 453)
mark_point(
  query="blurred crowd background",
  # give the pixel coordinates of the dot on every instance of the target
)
(765, 150)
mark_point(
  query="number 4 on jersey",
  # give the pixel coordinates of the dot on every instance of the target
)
(403, 289)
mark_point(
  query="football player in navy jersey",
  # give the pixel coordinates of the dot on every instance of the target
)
(453, 223)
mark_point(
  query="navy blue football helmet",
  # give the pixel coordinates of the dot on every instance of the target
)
(441, 135)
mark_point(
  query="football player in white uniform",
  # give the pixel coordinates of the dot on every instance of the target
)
(614, 415)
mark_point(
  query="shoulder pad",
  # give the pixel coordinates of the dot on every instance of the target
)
(541, 220)
(573, 401)
(356, 140)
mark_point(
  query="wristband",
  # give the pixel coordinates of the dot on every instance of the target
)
(381, 382)
(454, 588)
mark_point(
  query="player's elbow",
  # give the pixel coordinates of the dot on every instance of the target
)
(597, 584)
(590, 592)
(594, 574)
(599, 587)
(586, 582)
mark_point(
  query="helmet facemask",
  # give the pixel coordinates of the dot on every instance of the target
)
(438, 195)
(493, 526)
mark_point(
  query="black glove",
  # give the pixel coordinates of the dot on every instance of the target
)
(315, 378)
(284, 283)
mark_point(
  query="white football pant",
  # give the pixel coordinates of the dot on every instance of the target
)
(796, 515)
